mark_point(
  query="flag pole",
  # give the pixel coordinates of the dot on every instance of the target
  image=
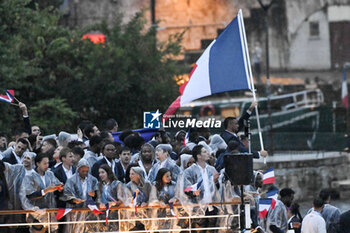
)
(240, 14)
(14, 104)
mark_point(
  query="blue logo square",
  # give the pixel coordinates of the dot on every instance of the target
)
(151, 120)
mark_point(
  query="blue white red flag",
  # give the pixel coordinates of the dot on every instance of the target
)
(107, 212)
(269, 176)
(344, 91)
(222, 67)
(134, 200)
(8, 97)
(273, 194)
(62, 212)
(264, 206)
(194, 187)
(93, 207)
(187, 137)
(171, 206)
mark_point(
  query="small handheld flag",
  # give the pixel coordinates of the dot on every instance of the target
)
(107, 212)
(134, 200)
(269, 176)
(62, 212)
(344, 91)
(194, 187)
(264, 206)
(92, 206)
(8, 98)
(273, 194)
(171, 206)
(187, 137)
(110, 196)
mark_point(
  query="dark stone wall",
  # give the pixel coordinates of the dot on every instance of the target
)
(307, 176)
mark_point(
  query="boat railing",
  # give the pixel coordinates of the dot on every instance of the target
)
(307, 98)
(229, 221)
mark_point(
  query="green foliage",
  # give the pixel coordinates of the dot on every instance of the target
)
(60, 114)
(59, 75)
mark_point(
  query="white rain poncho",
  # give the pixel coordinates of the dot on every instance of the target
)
(112, 192)
(143, 196)
(91, 157)
(184, 160)
(217, 143)
(73, 189)
(64, 138)
(208, 191)
(14, 175)
(169, 164)
(331, 215)
(276, 217)
(166, 193)
(206, 146)
(33, 184)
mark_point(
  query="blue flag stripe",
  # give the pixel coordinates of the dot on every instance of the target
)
(266, 201)
(268, 170)
(227, 70)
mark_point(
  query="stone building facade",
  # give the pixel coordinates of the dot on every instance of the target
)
(304, 35)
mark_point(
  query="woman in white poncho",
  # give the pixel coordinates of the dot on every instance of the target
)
(140, 192)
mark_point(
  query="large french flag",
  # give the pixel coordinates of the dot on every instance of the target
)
(344, 91)
(269, 176)
(222, 67)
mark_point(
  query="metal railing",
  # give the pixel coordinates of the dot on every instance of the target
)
(227, 218)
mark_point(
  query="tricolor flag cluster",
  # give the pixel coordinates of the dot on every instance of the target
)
(223, 66)
(194, 187)
(266, 203)
(8, 98)
(269, 176)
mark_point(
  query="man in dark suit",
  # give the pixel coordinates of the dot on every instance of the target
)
(122, 165)
(16, 156)
(109, 154)
(233, 126)
(65, 170)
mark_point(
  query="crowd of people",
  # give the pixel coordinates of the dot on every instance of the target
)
(45, 172)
